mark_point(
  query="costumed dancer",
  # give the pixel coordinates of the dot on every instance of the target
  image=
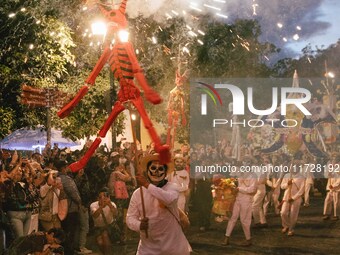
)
(273, 183)
(309, 181)
(257, 207)
(333, 189)
(294, 185)
(247, 187)
(155, 214)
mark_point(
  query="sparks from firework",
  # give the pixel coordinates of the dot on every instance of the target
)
(191, 14)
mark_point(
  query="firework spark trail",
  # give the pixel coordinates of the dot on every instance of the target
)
(279, 28)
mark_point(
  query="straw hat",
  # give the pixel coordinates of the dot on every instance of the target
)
(152, 157)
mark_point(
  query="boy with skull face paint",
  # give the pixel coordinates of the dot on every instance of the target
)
(160, 231)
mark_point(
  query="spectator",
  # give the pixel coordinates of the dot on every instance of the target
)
(71, 223)
(49, 193)
(118, 179)
(181, 178)
(39, 243)
(83, 186)
(17, 204)
(103, 213)
(202, 196)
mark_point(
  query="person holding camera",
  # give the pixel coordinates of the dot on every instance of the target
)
(49, 195)
(103, 212)
(17, 200)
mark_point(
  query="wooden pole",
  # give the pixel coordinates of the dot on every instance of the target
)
(136, 165)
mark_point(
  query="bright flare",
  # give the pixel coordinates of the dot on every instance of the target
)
(99, 28)
(123, 35)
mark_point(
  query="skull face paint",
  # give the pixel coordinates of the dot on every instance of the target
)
(156, 172)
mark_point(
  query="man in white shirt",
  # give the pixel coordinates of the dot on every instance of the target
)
(259, 217)
(180, 176)
(103, 213)
(272, 196)
(333, 188)
(307, 167)
(153, 212)
(247, 187)
(294, 185)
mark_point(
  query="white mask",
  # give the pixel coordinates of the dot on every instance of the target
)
(156, 172)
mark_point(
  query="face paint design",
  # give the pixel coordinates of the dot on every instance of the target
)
(156, 172)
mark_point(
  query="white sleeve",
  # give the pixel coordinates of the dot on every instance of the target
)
(167, 197)
(251, 189)
(301, 189)
(94, 207)
(133, 215)
(284, 183)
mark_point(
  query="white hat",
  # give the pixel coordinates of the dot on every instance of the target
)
(178, 155)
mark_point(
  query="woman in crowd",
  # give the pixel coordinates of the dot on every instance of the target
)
(49, 193)
(118, 190)
(18, 201)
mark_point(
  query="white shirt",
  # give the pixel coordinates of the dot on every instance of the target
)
(181, 178)
(165, 235)
(297, 188)
(247, 187)
(99, 221)
(334, 180)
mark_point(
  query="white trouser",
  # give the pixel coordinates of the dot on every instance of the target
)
(257, 207)
(308, 186)
(268, 198)
(242, 209)
(328, 204)
(331, 201)
(336, 202)
(276, 195)
(290, 213)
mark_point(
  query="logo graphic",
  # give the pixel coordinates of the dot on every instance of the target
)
(239, 99)
(211, 91)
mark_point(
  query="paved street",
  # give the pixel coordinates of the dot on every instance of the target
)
(312, 236)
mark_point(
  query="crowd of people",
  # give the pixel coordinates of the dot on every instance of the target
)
(126, 188)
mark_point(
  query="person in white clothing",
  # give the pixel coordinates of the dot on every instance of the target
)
(180, 176)
(333, 189)
(273, 187)
(294, 185)
(153, 212)
(309, 182)
(103, 213)
(257, 207)
(247, 187)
